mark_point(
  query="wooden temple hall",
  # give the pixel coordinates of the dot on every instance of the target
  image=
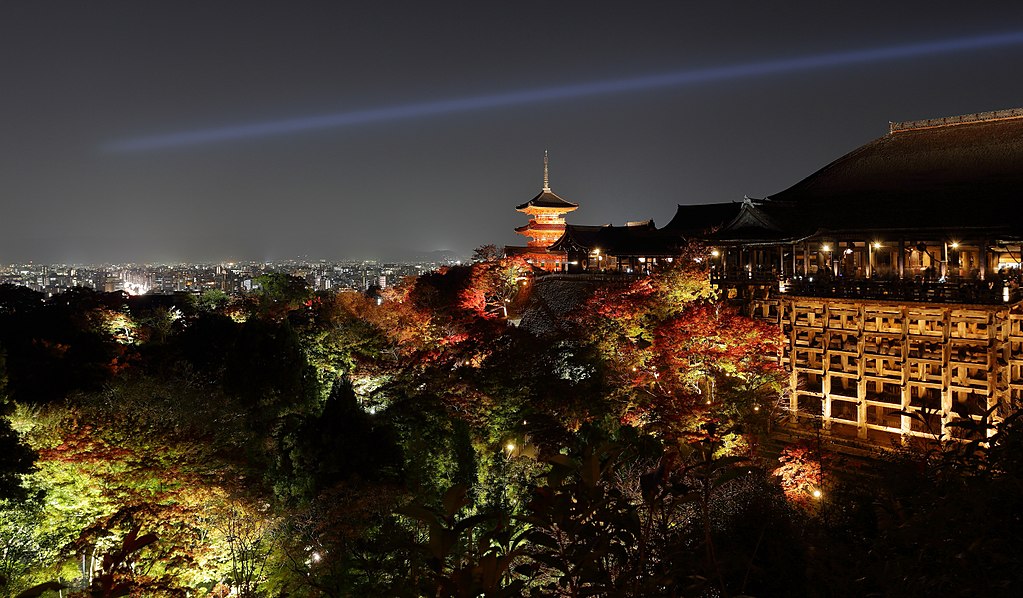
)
(893, 272)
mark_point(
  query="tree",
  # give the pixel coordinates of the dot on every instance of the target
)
(16, 458)
(279, 293)
(493, 286)
(676, 357)
(487, 253)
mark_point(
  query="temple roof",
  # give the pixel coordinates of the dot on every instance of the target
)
(636, 238)
(957, 173)
(532, 225)
(547, 199)
(695, 220)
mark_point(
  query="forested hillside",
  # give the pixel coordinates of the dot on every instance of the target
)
(411, 442)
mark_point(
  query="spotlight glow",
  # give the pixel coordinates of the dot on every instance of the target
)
(565, 92)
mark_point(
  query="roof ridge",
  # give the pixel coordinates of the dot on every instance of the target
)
(950, 121)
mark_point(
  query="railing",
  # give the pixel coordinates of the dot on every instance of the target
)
(743, 276)
(961, 291)
(991, 292)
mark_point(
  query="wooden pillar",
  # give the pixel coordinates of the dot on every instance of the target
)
(869, 270)
(996, 372)
(943, 272)
(906, 420)
(806, 259)
(781, 261)
(901, 259)
(793, 375)
(946, 371)
(861, 383)
(982, 260)
(826, 367)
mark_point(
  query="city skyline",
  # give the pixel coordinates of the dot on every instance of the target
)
(89, 77)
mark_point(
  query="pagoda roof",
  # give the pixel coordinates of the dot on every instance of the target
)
(957, 173)
(548, 199)
(540, 227)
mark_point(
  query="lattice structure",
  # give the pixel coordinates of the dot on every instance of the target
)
(885, 372)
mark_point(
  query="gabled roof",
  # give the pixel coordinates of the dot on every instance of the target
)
(754, 222)
(578, 237)
(547, 199)
(636, 238)
(696, 220)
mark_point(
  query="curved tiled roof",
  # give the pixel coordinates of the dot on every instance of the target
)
(640, 238)
(547, 199)
(949, 176)
(540, 227)
(700, 218)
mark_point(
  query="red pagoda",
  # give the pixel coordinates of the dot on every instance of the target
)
(546, 225)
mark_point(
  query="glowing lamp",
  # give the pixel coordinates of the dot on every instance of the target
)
(715, 253)
(877, 245)
(816, 493)
(825, 247)
(510, 447)
(954, 245)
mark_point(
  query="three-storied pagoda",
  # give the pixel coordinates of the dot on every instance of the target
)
(546, 225)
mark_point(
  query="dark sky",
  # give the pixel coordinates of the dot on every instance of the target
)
(79, 79)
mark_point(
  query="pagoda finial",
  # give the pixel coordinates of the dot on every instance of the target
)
(546, 177)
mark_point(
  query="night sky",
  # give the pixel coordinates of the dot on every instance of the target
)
(89, 91)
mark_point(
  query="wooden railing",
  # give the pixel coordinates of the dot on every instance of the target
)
(961, 291)
(991, 292)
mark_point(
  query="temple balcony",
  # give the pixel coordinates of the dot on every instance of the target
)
(968, 291)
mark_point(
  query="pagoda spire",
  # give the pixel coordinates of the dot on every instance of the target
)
(546, 177)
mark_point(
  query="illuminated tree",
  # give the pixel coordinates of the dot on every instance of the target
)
(493, 286)
(677, 356)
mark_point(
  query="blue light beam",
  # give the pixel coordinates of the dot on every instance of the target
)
(563, 92)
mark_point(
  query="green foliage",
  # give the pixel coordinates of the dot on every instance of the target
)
(212, 301)
(16, 460)
(267, 369)
(331, 446)
(465, 555)
(340, 442)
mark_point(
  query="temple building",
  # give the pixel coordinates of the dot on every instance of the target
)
(546, 225)
(893, 273)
